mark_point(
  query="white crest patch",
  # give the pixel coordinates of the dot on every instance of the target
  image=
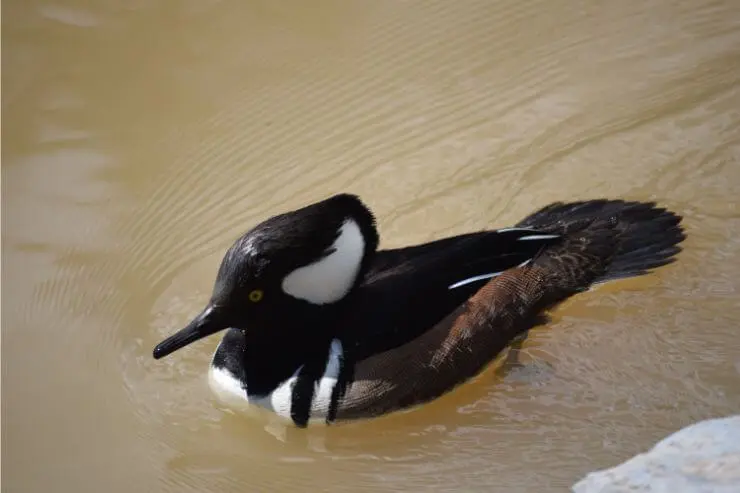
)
(330, 279)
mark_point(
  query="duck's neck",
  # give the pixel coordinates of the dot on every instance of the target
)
(263, 359)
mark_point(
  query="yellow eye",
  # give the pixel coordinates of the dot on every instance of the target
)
(256, 295)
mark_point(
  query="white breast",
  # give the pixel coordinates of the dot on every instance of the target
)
(280, 400)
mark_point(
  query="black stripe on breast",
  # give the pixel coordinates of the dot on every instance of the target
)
(300, 404)
(304, 389)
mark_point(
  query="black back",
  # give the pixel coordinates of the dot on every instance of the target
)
(407, 290)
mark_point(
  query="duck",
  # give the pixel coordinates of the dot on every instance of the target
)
(323, 327)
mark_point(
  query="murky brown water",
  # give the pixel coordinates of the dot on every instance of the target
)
(139, 138)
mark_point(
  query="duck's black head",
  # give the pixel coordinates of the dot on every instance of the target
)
(287, 268)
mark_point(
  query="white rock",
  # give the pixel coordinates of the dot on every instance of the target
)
(703, 457)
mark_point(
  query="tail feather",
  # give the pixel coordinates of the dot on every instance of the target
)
(614, 239)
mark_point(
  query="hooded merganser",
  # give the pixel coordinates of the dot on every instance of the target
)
(324, 327)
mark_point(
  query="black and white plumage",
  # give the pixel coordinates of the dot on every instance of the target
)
(324, 327)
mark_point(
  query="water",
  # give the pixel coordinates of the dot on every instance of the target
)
(140, 138)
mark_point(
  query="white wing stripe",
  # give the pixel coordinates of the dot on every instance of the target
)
(482, 276)
(537, 237)
(473, 279)
(506, 230)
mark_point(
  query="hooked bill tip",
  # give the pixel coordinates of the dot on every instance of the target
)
(203, 325)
